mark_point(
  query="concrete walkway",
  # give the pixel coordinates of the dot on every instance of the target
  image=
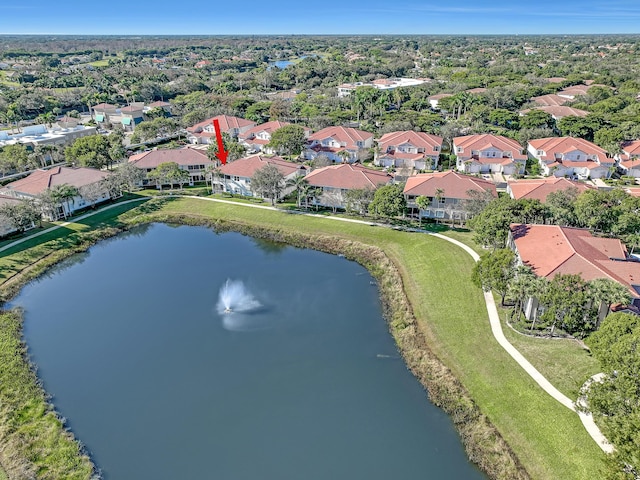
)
(494, 319)
(75, 220)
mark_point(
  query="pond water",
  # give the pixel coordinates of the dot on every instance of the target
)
(301, 380)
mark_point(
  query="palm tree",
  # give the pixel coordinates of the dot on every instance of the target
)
(344, 155)
(299, 184)
(604, 293)
(63, 195)
(439, 195)
(521, 288)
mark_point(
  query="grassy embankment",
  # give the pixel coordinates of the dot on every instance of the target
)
(547, 438)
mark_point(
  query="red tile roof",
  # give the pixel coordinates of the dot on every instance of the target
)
(453, 184)
(247, 166)
(38, 181)
(226, 122)
(550, 100)
(550, 250)
(346, 136)
(559, 111)
(631, 149)
(539, 189)
(417, 139)
(348, 176)
(268, 127)
(181, 156)
(563, 145)
(485, 141)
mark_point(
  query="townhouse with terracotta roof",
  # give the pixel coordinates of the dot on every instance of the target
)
(339, 144)
(550, 100)
(540, 188)
(235, 177)
(336, 180)
(558, 112)
(629, 159)
(417, 150)
(204, 132)
(488, 153)
(257, 138)
(550, 250)
(447, 193)
(571, 157)
(39, 181)
(192, 160)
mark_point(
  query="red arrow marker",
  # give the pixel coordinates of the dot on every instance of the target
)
(222, 153)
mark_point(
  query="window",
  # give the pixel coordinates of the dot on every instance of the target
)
(436, 148)
(440, 214)
(236, 178)
(539, 152)
(459, 149)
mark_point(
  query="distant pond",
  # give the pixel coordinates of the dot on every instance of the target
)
(300, 380)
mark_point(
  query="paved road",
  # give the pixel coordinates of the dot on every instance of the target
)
(494, 319)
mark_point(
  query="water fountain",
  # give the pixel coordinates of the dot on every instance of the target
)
(234, 297)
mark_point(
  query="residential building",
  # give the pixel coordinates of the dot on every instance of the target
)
(550, 100)
(192, 160)
(447, 193)
(629, 159)
(559, 111)
(257, 138)
(131, 115)
(540, 188)
(204, 132)
(102, 112)
(339, 144)
(39, 181)
(41, 135)
(345, 89)
(434, 100)
(571, 157)
(550, 250)
(235, 177)
(488, 153)
(335, 181)
(128, 116)
(417, 150)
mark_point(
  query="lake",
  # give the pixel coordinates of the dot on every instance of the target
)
(301, 380)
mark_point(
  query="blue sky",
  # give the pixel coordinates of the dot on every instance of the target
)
(120, 17)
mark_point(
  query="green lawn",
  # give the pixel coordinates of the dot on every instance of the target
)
(549, 440)
(100, 63)
(565, 362)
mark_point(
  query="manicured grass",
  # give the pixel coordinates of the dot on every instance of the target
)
(565, 362)
(548, 438)
(100, 63)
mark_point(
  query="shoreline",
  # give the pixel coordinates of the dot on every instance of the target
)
(483, 444)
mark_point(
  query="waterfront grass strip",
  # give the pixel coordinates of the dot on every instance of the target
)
(33, 441)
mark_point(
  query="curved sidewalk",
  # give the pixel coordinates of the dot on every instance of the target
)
(494, 319)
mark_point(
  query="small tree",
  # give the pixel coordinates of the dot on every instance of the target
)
(165, 173)
(92, 192)
(388, 201)
(268, 182)
(21, 215)
(288, 140)
(494, 271)
(423, 202)
(358, 200)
